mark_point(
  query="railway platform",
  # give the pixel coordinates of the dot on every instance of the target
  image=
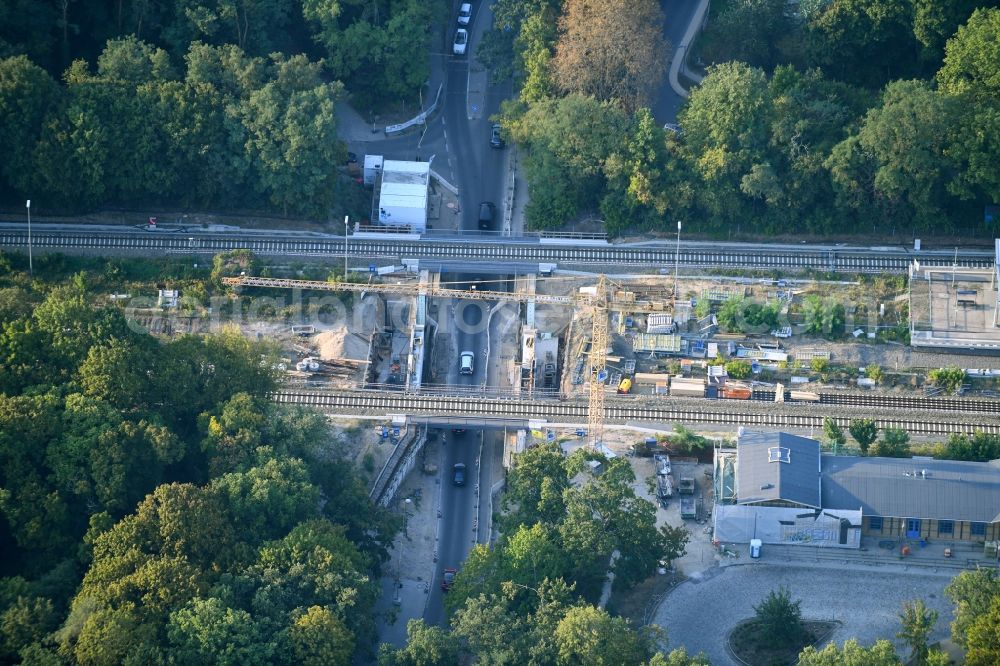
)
(932, 556)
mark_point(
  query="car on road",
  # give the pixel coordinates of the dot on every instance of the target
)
(448, 579)
(486, 212)
(458, 431)
(496, 137)
(466, 367)
(458, 474)
(461, 41)
(465, 13)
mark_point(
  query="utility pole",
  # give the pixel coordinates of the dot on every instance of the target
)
(31, 268)
(677, 263)
(346, 227)
(954, 267)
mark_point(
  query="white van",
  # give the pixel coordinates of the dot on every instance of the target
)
(466, 368)
(755, 545)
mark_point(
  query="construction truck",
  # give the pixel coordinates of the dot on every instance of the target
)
(625, 386)
(664, 486)
(686, 486)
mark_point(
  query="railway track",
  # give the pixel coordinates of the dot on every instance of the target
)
(616, 411)
(915, 403)
(510, 250)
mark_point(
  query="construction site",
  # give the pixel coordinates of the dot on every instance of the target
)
(582, 337)
(954, 309)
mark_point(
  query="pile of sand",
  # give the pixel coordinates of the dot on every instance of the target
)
(339, 343)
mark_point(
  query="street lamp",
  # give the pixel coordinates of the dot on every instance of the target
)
(677, 262)
(31, 268)
(346, 227)
(406, 515)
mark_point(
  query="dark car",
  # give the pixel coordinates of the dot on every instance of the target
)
(448, 579)
(458, 431)
(486, 211)
(496, 138)
(458, 474)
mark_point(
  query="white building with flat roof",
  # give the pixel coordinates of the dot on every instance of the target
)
(402, 199)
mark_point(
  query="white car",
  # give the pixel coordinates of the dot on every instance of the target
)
(464, 13)
(466, 368)
(461, 41)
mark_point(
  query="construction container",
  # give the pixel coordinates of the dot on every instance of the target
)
(687, 388)
(736, 392)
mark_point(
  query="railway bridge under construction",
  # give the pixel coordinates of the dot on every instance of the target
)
(941, 418)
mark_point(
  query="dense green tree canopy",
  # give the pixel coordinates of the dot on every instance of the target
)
(799, 126)
(231, 129)
(882, 653)
(156, 508)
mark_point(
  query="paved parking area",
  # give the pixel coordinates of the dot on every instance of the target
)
(699, 613)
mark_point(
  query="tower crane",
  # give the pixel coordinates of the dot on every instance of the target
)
(607, 297)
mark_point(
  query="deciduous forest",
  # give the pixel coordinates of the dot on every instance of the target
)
(218, 104)
(819, 117)
(158, 508)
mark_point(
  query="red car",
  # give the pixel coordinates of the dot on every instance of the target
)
(448, 579)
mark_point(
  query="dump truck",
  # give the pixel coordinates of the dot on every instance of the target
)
(664, 486)
(662, 461)
(686, 485)
(688, 508)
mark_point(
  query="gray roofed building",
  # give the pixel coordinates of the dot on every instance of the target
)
(777, 467)
(904, 487)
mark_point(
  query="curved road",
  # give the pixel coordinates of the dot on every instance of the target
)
(678, 15)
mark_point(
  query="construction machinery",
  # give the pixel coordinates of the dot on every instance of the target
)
(605, 298)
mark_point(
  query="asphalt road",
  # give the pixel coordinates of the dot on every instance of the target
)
(477, 168)
(457, 513)
(700, 613)
(678, 14)
(477, 172)
(460, 510)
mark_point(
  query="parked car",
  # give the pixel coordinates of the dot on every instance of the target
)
(496, 138)
(461, 41)
(465, 13)
(448, 579)
(458, 474)
(486, 211)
